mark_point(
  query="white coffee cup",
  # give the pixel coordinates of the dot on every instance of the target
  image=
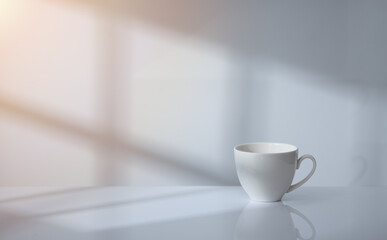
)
(266, 170)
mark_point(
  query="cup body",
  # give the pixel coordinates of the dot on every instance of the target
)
(266, 170)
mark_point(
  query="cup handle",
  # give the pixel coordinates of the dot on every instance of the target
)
(298, 213)
(297, 185)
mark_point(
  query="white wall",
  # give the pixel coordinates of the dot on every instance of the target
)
(158, 93)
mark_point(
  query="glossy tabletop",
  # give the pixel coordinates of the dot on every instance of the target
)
(191, 213)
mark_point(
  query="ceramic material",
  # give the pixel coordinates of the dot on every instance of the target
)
(266, 170)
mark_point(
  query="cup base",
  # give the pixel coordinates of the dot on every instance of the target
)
(265, 198)
(265, 201)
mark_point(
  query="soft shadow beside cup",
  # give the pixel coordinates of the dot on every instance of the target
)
(269, 221)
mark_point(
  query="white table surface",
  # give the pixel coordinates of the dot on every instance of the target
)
(191, 213)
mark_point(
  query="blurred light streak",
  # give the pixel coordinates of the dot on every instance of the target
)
(92, 207)
(101, 138)
(45, 194)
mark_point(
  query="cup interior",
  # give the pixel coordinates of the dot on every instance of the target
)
(266, 148)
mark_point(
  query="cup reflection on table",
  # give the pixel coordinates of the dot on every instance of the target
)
(269, 221)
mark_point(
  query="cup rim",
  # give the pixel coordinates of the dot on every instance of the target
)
(295, 149)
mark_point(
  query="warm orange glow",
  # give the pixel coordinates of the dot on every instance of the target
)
(7, 12)
(6, 7)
